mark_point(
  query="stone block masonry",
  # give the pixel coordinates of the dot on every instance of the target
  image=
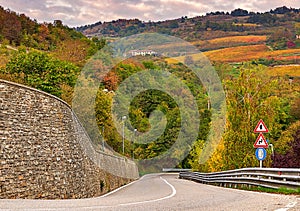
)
(43, 150)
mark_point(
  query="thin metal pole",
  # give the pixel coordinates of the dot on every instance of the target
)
(272, 148)
(123, 135)
(133, 151)
(260, 163)
(134, 137)
(103, 138)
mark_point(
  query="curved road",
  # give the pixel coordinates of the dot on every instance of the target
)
(165, 192)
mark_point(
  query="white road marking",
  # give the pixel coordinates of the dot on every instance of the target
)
(139, 202)
(120, 188)
(154, 200)
(117, 205)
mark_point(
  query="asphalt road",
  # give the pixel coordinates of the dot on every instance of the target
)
(165, 192)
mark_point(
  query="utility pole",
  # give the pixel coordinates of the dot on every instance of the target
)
(123, 135)
(103, 138)
(134, 137)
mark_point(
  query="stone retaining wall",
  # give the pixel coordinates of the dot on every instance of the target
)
(43, 150)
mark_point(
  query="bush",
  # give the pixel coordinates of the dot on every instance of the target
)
(41, 71)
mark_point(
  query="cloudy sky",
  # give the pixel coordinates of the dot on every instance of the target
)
(81, 12)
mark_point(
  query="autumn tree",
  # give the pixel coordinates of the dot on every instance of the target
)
(287, 148)
(281, 39)
(110, 81)
(249, 97)
(10, 27)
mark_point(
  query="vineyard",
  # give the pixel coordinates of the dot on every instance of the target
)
(292, 71)
(230, 41)
(245, 53)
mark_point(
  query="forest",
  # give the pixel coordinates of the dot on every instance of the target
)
(256, 56)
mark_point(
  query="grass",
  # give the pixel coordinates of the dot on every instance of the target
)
(285, 191)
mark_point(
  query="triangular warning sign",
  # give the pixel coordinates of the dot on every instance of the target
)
(261, 127)
(261, 142)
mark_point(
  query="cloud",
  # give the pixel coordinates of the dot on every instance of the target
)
(81, 12)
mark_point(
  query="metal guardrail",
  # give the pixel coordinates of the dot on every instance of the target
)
(175, 170)
(264, 177)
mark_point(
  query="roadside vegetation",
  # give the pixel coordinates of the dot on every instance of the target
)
(285, 191)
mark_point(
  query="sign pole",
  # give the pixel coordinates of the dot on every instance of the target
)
(260, 163)
(261, 143)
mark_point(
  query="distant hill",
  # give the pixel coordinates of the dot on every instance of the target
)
(212, 25)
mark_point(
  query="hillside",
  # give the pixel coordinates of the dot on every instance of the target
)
(213, 25)
(46, 56)
(239, 35)
(256, 55)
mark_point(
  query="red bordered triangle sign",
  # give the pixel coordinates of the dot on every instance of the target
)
(261, 127)
(261, 142)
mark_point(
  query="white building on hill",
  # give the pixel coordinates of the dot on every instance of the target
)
(142, 53)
